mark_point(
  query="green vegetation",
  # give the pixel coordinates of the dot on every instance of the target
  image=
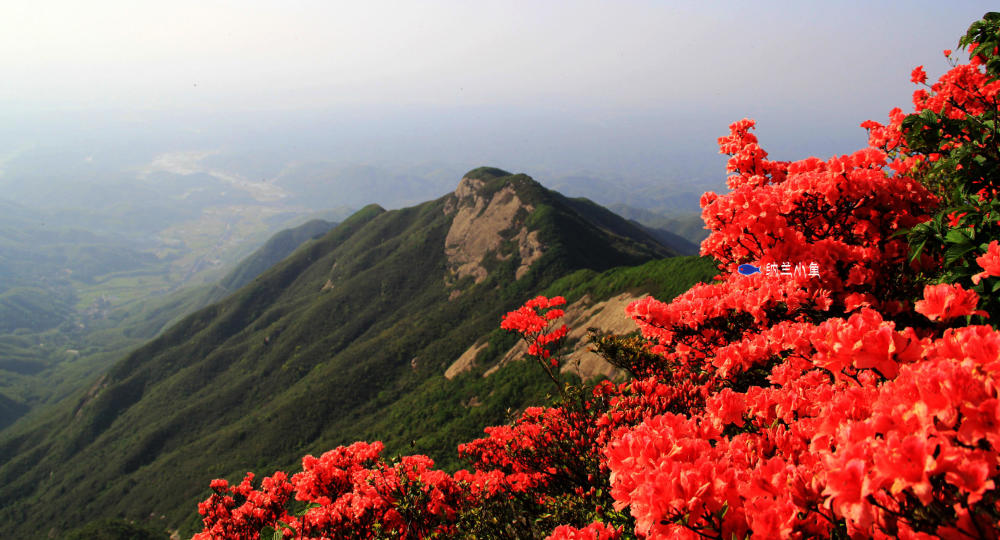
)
(662, 279)
(487, 173)
(346, 339)
(273, 251)
(685, 224)
(116, 529)
(53, 340)
(33, 308)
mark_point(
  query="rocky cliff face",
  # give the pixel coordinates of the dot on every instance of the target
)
(487, 226)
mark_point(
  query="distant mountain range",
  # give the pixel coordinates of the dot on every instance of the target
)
(687, 226)
(325, 336)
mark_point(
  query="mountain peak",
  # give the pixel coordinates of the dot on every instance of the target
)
(487, 173)
(489, 225)
(484, 181)
(468, 187)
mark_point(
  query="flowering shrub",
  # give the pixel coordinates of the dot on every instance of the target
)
(350, 492)
(240, 511)
(594, 531)
(532, 321)
(824, 417)
(860, 400)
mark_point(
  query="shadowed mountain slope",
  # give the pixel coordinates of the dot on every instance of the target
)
(32, 375)
(272, 252)
(353, 328)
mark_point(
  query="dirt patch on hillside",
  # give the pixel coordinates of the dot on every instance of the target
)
(606, 316)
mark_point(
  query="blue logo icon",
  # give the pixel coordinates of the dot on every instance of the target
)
(748, 269)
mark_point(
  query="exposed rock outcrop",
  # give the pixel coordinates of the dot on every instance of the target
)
(606, 316)
(464, 362)
(488, 225)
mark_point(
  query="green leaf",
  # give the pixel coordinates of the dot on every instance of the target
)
(915, 250)
(958, 236)
(956, 252)
(308, 507)
(900, 232)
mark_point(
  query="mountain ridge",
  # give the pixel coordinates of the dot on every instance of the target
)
(310, 354)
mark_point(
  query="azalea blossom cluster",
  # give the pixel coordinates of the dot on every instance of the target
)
(843, 213)
(861, 427)
(863, 402)
(532, 321)
(347, 492)
(835, 407)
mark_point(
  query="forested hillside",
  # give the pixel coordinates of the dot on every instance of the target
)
(347, 338)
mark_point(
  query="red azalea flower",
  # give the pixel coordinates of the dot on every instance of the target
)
(947, 301)
(954, 220)
(989, 262)
(594, 531)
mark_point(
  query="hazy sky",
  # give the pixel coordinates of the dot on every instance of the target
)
(302, 54)
(810, 72)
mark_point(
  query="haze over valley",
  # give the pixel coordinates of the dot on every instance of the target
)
(235, 234)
